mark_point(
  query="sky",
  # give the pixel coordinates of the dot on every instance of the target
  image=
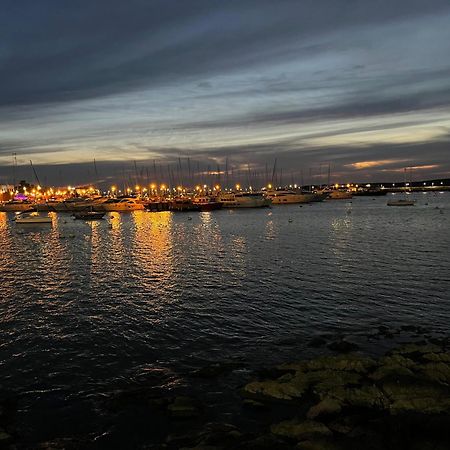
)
(152, 86)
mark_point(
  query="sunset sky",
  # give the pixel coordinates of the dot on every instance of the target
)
(361, 85)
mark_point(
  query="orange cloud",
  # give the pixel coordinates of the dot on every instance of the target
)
(424, 167)
(368, 164)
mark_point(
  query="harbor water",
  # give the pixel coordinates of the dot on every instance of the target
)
(90, 308)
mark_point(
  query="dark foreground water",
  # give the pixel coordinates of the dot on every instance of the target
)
(89, 308)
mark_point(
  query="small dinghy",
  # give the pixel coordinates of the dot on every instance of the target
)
(88, 215)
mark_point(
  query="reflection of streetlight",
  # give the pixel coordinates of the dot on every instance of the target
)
(238, 186)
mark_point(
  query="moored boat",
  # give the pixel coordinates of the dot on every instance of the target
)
(401, 202)
(32, 217)
(243, 200)
(280, 197)
(206, 203)
(124, 204)
(88, 215)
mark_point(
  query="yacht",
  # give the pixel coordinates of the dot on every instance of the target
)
(244, 200)
(206, 203)
(335, 194)
(32, 217)
(280, 197)
(124, 204)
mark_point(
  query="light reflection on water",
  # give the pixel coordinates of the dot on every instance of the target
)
(84, 304)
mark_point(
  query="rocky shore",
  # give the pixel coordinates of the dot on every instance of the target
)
(343, 400)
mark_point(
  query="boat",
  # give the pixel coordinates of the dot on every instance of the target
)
(401, 202)
(335, 194)
(244, 200)
(32, 217)
(183, 204)
(15, 206)
(206, 203)
(124, 204)
(88, 215)
(279, 197)
(371, 192)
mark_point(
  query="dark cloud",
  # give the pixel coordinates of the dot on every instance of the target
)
(54, 50)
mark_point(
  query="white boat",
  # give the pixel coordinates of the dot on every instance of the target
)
(124, 204)
(32, 217)
(336, 194)
(243, 200)
(289, 197)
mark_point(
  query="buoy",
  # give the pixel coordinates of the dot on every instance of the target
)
(290, 220)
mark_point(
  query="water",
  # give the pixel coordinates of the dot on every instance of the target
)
(87, 307)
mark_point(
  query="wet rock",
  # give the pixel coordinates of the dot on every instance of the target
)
(417, 396)
(350, 362)
(325, 407)
(264, 442)
(364, 397)
(5, 438)
(344, 424)
(184, 407)
(253, 404)
(394, 367)
(285, 388)
(343, 346)
(438, 357)
(300, 430)
(419, 348)
(438, 371)
(327, 380)
(319, 444)
(392, 372)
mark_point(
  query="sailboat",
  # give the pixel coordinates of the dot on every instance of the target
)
(402, 201)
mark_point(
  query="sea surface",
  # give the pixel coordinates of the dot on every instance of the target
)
(88, 308)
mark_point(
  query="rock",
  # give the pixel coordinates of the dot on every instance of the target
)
(393, 372)
(344, 425)
(439, 372)
(417, 349)
(5, 438)
(327, 380)
(417, 396)
(438, 357)
(285, 388)
(303, 430)
(350, 362)
(264, 442)
(183, 407)
(253, 404)
(365, 397)
(319, 444)
(325, 407)
(343, 346)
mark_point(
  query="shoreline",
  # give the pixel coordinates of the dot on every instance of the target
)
(343, 398)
